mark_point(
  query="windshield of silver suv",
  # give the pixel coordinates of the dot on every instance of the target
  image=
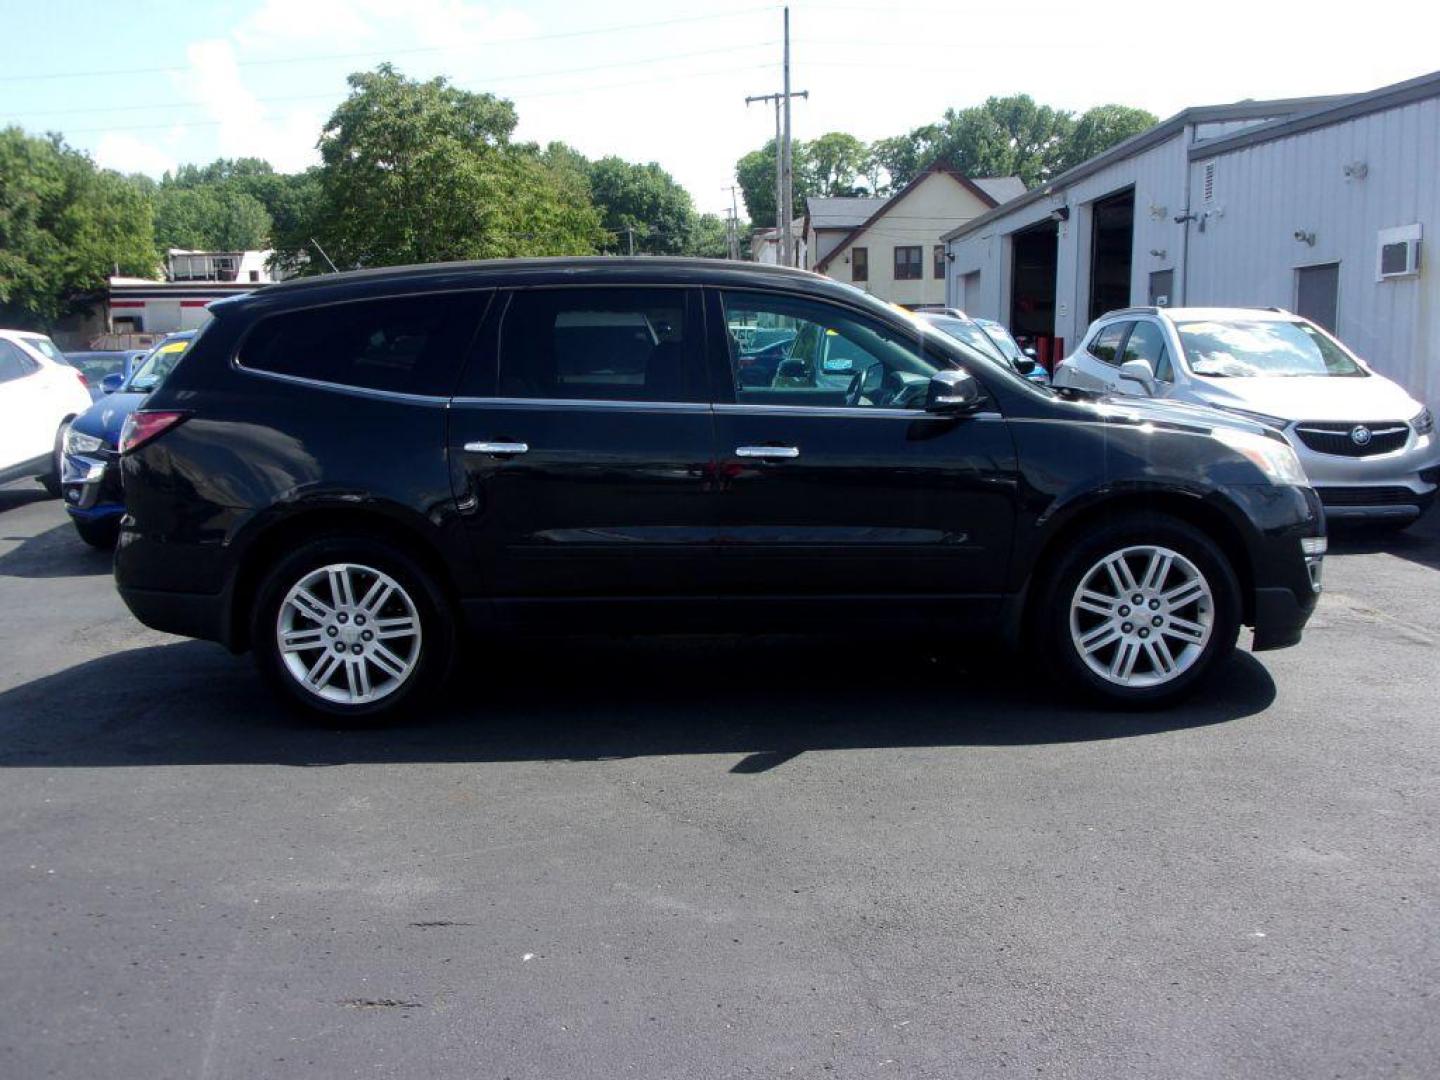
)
(1262, 348)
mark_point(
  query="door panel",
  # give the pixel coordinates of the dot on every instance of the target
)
(873, 498)
(584, 464)
(27, 429)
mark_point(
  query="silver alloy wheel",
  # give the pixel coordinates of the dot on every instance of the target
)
(348, 634)
(1141, 616)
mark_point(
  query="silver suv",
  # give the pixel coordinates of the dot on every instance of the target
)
(1368, 447)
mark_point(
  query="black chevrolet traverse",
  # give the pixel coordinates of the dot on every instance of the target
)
(346, 473)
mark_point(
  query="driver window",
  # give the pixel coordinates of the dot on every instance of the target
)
(789, 351)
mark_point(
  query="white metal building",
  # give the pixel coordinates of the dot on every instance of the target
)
(1318, 205)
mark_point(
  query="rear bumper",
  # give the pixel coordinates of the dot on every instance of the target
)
(196, 615)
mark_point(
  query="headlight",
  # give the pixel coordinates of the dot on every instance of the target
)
(1424, 422)
(77, 442)
(1273, 457)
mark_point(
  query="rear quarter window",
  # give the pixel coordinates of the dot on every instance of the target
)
(409, 345)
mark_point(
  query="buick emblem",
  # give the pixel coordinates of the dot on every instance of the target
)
(1360, 435)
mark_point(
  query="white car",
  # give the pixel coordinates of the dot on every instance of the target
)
(1369, 448)
(39, 395)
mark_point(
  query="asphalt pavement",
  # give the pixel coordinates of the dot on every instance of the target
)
(694, 858)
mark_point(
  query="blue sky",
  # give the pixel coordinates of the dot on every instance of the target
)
(146, 84)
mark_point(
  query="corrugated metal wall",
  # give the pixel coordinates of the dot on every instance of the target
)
(1266, 192)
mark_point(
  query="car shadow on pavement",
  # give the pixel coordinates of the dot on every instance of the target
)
(769, 699)
(1420, 543)
(55, 553)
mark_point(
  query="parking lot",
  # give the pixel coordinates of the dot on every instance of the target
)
(714, 858)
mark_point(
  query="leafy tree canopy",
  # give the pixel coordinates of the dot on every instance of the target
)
(65, 226)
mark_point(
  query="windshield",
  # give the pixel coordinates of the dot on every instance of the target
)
(1263, 348)
(156, 366)
(1009, 347)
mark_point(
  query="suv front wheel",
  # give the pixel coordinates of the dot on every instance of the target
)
(352, 628)
(1141, 611)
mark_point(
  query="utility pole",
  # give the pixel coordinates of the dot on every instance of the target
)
(732, 227)
(784, 179)
(630, 234)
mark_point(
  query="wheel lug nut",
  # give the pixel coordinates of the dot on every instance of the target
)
(367, 636)
(1139, 599)
(1124, 611)
(1154, 605)
(359, 620)
(356, 649)
(1127, 628)
(1144, 633)
(339, 646)
(331, 631)
(1156, 621)
(342, 617)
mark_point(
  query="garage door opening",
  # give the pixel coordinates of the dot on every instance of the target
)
(1111, 248)
(1032, 286)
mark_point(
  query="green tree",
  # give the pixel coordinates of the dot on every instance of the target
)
(1099, 129)
(423, 171)
(755, 173)
(211, 217)
(64, 227)
(645, 199)
(707, 237)
(834, 164)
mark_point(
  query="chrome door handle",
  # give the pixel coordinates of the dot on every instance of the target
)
(767, 451)
(500, 449)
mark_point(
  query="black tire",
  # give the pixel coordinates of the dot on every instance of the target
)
(51, 480)
(99, 534)
(436, 644)
(1053, 610)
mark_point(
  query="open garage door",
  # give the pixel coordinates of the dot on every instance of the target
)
(1112, 247)
(1034, 253)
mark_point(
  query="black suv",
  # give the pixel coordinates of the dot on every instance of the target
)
(345, 471)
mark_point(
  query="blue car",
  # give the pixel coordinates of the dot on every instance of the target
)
(100, 366)
(90, 469)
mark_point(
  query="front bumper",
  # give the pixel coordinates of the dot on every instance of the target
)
(1287, 564)
(1399, 485)
(90, 486)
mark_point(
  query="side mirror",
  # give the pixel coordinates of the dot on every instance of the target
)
(792, 369)
(1138, 371)
(112, 382)
(1026, 364)
(954, 391)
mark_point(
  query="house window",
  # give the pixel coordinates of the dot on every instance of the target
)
(939, 262)
(860, 264)
(908, 263)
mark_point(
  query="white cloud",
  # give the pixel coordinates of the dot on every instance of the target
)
(244, 126)
(126, 153)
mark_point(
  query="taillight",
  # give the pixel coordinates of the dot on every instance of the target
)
(83, 380)
(144, 425)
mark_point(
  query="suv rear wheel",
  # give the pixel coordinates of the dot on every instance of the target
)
(1140, 612)
(352, 628)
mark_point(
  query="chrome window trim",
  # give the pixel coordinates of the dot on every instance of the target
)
(343, 388)
(856, 411)
(600, 404)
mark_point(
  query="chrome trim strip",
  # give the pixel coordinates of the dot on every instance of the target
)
(583, 403)
(500, 449)
(767, 451)
(344, 388)
(853, 411)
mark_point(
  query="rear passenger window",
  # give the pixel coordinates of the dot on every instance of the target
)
(618, 344)
(411, 345)
(1106, 345)
(14, 364)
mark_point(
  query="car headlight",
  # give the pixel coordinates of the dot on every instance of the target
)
(77, 442)
(1273, 457)
(1423, 422)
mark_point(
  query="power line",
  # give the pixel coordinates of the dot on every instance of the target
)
(588, 89)
(107, 72)
(495, 79)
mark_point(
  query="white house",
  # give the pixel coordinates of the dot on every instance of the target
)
(193, 279)
(1317, 205)
(894, 251)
